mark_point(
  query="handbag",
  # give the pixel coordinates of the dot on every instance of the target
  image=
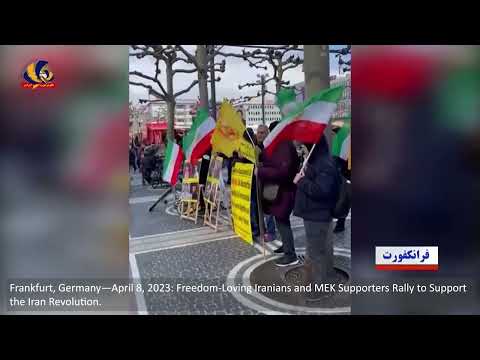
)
(270, 192)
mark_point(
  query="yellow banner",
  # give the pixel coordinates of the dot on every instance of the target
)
(247, 150)
(241, 190)
(228, 131)
(190, 180)
(213, 180)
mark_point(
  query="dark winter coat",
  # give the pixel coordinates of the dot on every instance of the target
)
(280, 169)
(317, 191)
(131, 156)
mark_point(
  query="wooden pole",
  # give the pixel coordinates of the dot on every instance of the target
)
(308, 157)
(259, 199)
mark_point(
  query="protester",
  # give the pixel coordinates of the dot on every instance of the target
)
(148, 162)
(317, 194)
(270, 235)
(302, 151)
(262, 133)
(132, 158)
(138, 152)
(279, 169)
(342, 168)
(140, 156)
(204, 164)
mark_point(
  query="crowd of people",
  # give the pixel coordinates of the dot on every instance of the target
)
(135, 153)
(144, 157)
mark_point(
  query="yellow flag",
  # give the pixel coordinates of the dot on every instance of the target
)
(228, 131)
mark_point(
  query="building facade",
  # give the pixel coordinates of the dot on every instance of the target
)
(138, 116)
(252, 113)
(184, 112)
(344, 107)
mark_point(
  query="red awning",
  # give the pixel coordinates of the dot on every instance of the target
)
(157, 125)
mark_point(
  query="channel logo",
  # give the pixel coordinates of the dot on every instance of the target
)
(38, 75)
(406, 258)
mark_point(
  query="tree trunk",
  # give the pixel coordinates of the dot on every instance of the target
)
(202, 75)
(263, 100)
(171, 120)
(317, 73)
(278, 83)
(317, 77)
(170, 102)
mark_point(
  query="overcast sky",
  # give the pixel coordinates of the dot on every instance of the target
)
(237, 71)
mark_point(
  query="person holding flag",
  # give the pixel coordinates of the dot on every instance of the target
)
(305, 122)
(317, 183)
(340, 154)
(276, 173)
(318, 186)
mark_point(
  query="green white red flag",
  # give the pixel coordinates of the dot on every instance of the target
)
(307, 122)
(287, 101)
(172, 163)
(341, 142)
(197, 141)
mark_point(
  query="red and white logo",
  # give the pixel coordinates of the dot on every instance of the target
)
(406, 258)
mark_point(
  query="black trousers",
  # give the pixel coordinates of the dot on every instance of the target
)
(285, 230)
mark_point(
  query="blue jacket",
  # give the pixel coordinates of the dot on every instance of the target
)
(317, 191)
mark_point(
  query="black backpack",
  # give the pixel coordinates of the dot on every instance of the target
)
(342, 206)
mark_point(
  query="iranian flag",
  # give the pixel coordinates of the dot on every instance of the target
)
(341, 142)
(197, 142)
(287, 101)
(172, 163)
(307, 122)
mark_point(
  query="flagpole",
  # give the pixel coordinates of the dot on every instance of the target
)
(259, 200)
(308, 157)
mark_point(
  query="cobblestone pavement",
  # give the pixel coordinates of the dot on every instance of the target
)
(143, 222)
(206, 264)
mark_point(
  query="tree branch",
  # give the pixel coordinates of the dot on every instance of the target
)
(150, 88)
(186, 61)
(195, 82)
(144, 51)
(218, 49)
(184, 71)
(157, 72)
(139, 74)
(146, 77)
(268, 80)
(189, 56)
(292, 66)
(245, 56)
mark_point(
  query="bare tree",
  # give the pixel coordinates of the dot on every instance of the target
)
(137, 115)
(346, 51)
(168, 55)
(213, 67)
(280, 58)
